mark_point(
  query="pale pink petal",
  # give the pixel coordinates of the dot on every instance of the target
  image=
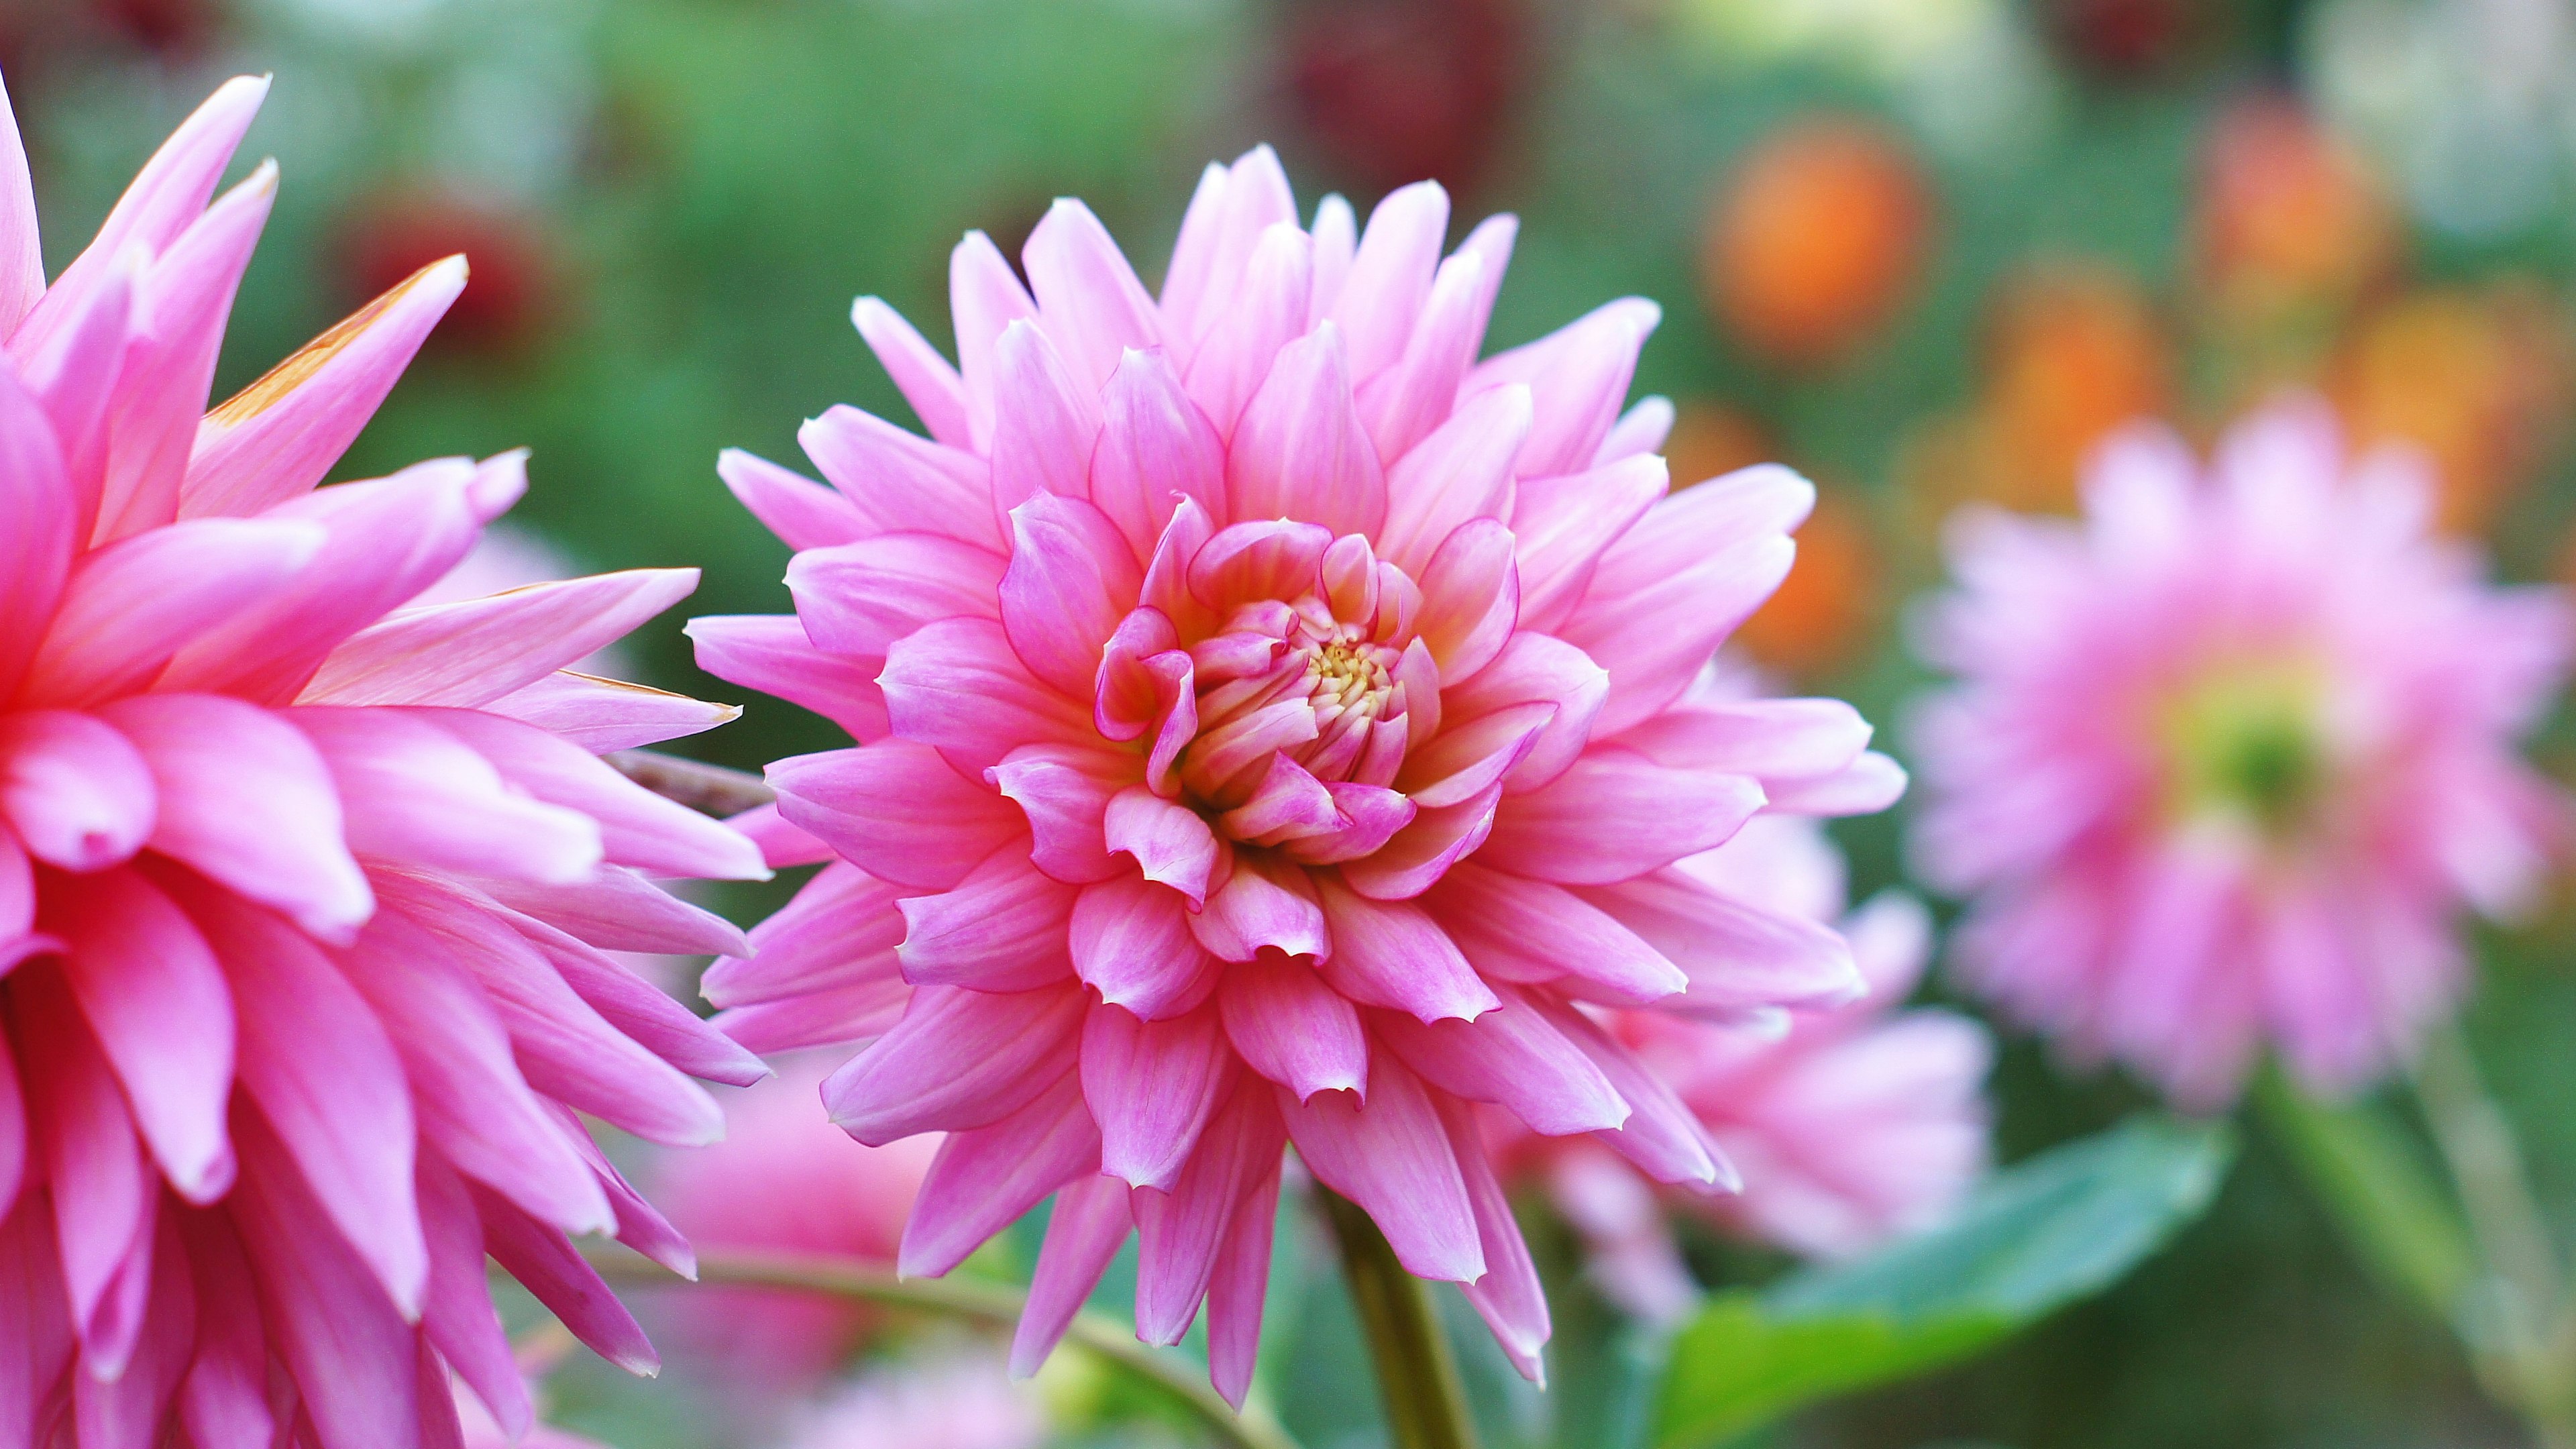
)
(415, 793)
(1262, 906)
(958, 685)
(897, 810)
(903, 483)
(601, 715)
(803, 514)
(1537, 668)
(1046, 423)
(1578, 377)
(36, 549)
(1462, 471)
(1391, 274)
(843, 926)
(1565, 523)
(1613, 816)
(773, 654)
(1416, 856)
(1151, 1086)
(1510, 1297)
(476, 651)
(1737, 956)
(1661, 1136)
(1411, 397)
(1239, 1285)
(128, 607)
(1534, 932)
(1640, 430)
(1171, 843)
(857, 599)
(1393, 1158)
(958, 1059)
(1230, 360)
(1513, 1057)
(1088, 297)
(1471, 598)
(1154, 443)
(984, 297)
(637, 828)
(936, 392)
(1132, 942)
(1301, 450)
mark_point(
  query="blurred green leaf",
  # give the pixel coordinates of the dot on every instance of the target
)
(2038, 1236)
(2379, 1191)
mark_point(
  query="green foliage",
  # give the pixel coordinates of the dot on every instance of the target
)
(2041, 1235)
(2379, 1191)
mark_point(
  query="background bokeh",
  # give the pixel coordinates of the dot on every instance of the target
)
(1924, 250)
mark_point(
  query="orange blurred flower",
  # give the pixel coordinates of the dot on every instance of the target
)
(1710, 438)
(1824, 612)
(2479, 381)
(2073, 351)
(2290, 224)
(1817, 239)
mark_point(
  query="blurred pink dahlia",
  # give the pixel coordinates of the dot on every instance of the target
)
(303, 894)
(1272, 731)
(1851, 1125)
(2226, 758)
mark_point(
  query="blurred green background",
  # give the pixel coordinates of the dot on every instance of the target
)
(1926, 250)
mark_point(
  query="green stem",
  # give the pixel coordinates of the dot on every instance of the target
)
(1426, 1404)
(2516, 1320)
(993, 1305)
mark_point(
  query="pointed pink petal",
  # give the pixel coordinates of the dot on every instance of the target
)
(457, 1316)
(1473, 754)
(1087, 295)
(637, 828)
(601, 715)
(1564, 525)
(1471, 597)
(1047, 423)
(1247, 562)
(1267, 313)
(843, 926)
(857, 599)
(1301, 451)
(1391, 275)
(1185, 280)
(1462, 471)
(900, 482)
(1237, 1288)
(36, 548)
(781, 844)
(1737, 956)
(556, 1274)
(1152, 1086)
(1337, 243)
(160, 1009)
(22, 260)
(1419, 854)
(1239, 206)
(1615, 815)
(640, 1009)
(958, 685)
(1292, 1028)
(128, 607)
(1513, 1058)
(1639, 431)
(1071, 581)
(93, 1166)
(1087, 1227)
(958, 1059)
(984, 297)
(1537, 668)
(773, 654)
(936, 392)
(1182, 1233)
(476, 651)
(831, 1017)
(1002, 928)
(276, 438)
(1391, 954)
(1132, 943)
(1510, 1297)
(1578, 377)
(1154, 443)
(1288, 804)
(1405, 402)
(896, 810)
(1661, 1136)
(983, 1179)
(247, 801)
(619, 910)
(1065, 791)
(802, 513)
(1531, 931)
(1392, 1157)
(416, 794)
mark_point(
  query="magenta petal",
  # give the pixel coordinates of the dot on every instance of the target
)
(1151, 1086)
(1088, 297)
(1182, 1232)
(1392, 954)
(224, 1399)
(618, 910)
(803, 514)
(899, 482)
(781, 844)
(936, 392)
(1416, 856)
(1065, 791)
(1661, 1136)
(639, 1009)
(556, 1274)
(1535, 667)
(1087, 1227)
(1070, 583)
(1462, 471)
(1512, 1057)
(1531, 931)
(1371, 815)
(457, 1316)
(1132, 943)
(1615, 815)
(637, 828)
(896, 810)
(1237, 1288)
(984, 297)
(246, 800)
(93, 1167)
(958, 685)
(1262, 904)
(1154, 444)
(857, 599)
(958, 1059)
(415, 794)
(1301, 450)
(79, 793)
(773, 654)
(1001, 929)
(1393, 1158)
(163, 1015)
(843, 926)
(1292, 1028)
(1171, 843)
(1510, 1296)
(36, 549)
(128, 607)
(985, 1177)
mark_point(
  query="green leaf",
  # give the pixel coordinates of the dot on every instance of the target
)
(2379, 1191)
(2039, 1235)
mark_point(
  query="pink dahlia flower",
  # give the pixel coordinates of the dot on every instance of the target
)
(1272, 731)
(784, 1180)
(2227, 757)
(303, 896)
(959, 1401)
(1851, 1125)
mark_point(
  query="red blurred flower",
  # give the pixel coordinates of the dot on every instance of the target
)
(1407, 90)
(2290, 222)
(511, 291)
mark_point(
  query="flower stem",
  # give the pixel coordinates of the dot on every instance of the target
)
(2516, 1316)
(1426, 1404)
(993, 1305)
(709, 789)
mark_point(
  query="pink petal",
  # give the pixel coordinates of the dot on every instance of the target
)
(1531, 931)
(773, 654)
(1737, 956)
(78, 792)
(1131, 942)
(857, 599)
(1418, 855)
(457, 1316)
(896, 810)
(1267, 313)
(1391, 274)
(1088, 297)
(1512, 1057)
(781, 844)
(1248, 562)
(1182, 1232)
(1288, 804)
(1001, 929)
(1171, 843)
(1661, 1136)
(1371, 816)
(163, 1016)
(1071, 581)
(1046, 422)
(1769, 739)
(1471, 597)
(1065, 791)
(1615, 815)
(1229, 215)
(984, 297)
(1537, 668)
(1391, 954)
(1301, 450)
(641, 1010)
(74, 373)
(1462, 471)
(637, 828)
(844, 925)
(1578, 377)
(618, 910)
(1414, 395)
(1292, 1028)
(958, 1059)
(414, 793)
(983, 1179)
(1474, 754)
(1087, 1227)
(803, 514)
(936, 392)
(276, 438)
(1154, 443)
(830, 1017)
(22, 261)
(1393, 1158)
(36, 498)
(1237, 1288)
(247, 801)
(902, 483)
(1152, 1086)
(958, 685)
(1510, 1297)
(476, 651)
(601, 715)
(1337, 242)
(1262, 904)
(1564, 524)
(128, 607)
(224, 1399)
(556, 1275)
(93, 1167)
(1640, 430)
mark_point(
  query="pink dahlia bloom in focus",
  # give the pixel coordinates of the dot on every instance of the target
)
(1851, 1125)
(2227, 757)
(1271, 731)
(784, 1181)
(303, 895)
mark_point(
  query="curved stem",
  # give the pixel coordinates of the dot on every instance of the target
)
(1426, 1404)
(2518, 1324)
(709, 789)
(993, 1305)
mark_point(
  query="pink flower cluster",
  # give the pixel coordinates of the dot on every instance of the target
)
(304, 895)
(2227, 758)
(1272, 730)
